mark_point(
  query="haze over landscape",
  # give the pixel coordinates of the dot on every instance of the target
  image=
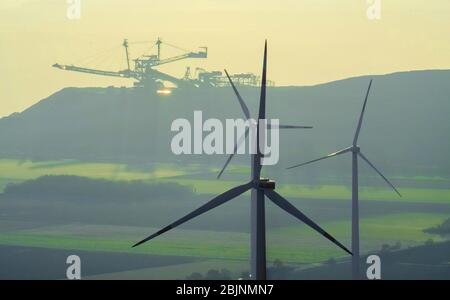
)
(86, 165)
(311, 41)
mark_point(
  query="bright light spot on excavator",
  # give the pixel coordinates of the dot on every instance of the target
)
(164, 92)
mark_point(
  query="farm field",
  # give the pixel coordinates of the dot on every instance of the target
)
(389, 220)
(44, 263)
(295, 244)
(17, 171)
(180, 271)
(337, 192)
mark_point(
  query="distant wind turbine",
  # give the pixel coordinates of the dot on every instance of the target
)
(356, 151)
(260, 187)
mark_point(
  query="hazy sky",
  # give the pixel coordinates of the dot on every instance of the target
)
(310, 41)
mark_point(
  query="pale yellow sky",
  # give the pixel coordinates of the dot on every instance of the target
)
(310, 41)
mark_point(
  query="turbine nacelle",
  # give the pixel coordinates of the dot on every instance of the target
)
(355, 149)
(265, 183)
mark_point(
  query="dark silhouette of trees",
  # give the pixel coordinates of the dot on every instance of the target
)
(442, 229)
(213, 274)
(75, 188)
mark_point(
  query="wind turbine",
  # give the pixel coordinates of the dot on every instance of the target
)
(260, 188)
(356, 151)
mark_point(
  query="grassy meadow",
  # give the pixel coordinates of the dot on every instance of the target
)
(294, 244)
(16, 171)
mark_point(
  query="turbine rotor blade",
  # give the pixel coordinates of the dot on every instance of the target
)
(358, 128)
(230, 157)
(324, 157)
(379, 173)
(291, 209)
(262, 100)
(262, 112)
(241, 101)
(219, 200)
(240, 141)
(270, 126)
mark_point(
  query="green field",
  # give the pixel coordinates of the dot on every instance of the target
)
(16, 171)
(293, 244)
(296, 244)
(23, 170)
(180, 271)
(334, 192)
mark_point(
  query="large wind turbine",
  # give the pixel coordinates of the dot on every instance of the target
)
(260, 187)
(255, 232)
(356, 151)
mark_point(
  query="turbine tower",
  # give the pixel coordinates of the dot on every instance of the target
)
(356, 152)
(260, 188)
